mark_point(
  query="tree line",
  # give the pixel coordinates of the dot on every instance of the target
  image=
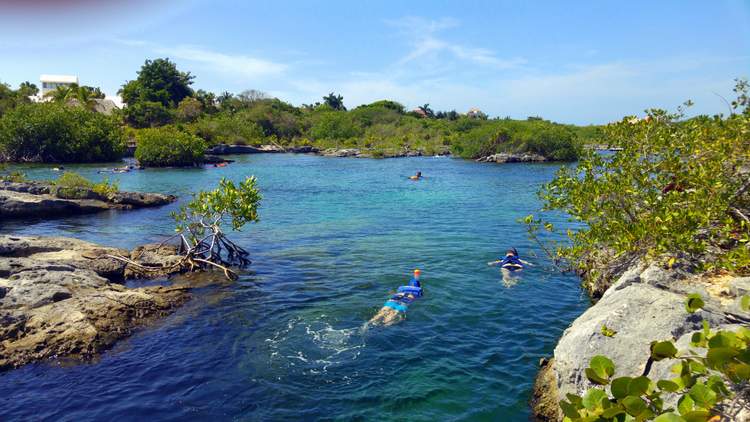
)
(161, 103)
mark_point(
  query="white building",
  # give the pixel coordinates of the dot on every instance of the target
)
(52, 82)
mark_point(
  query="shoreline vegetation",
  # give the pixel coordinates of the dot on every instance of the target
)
(168, 123)
(664, 253)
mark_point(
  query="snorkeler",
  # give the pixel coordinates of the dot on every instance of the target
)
(395, 307)
(509, 264)
(416, 176)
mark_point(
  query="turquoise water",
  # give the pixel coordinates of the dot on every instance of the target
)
(286, 341)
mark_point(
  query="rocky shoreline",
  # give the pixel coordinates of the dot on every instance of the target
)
(329, 152)
(645, 303)
(40, 199)
(64, 298)
(505, 157)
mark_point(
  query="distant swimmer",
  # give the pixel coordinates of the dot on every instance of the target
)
(394, 308)
(416, 176)
(508, 265)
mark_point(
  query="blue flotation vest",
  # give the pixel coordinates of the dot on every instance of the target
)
(415, 290)
(414, 282)
(511, 262)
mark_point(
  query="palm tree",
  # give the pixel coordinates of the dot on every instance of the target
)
(334, 101)
(427, 110)
(62, 93)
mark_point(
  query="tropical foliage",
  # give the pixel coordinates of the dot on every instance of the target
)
(74, 186)
(168, 146)
(199, 224)
(679, 190)
(51, 132)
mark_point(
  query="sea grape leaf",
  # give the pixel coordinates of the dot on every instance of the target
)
(745, 303)
(669, 417)
(697, 416)
(694, 302)
(639, 386)
(569, 410)
(685, 405)
(619, 387)
(663, 350)
(723, 339)
(717, 357)
(612, 412)
(634, 405)
(600, 369)
(592, 400)
(703, 396)
(667, 385)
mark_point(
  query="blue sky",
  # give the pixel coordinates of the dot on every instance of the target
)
(576, 62)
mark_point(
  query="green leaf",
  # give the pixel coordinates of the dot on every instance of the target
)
(745, 303)
(602, 366)
(685, 405)
(663, 350)
(667, 385)
(619, 387)
(592, 400)
(703, 396)
(694, 302)
(639, 386)
(608, 332)
(717, 357)
(723, 339)
(612, 412)
(569, 410)
(634, 405)
(669, 417)
(697, 416)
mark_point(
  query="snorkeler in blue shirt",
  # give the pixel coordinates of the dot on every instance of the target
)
(393, 310)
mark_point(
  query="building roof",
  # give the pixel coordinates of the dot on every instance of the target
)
(69, 79)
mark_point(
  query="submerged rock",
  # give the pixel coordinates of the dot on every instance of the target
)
(62, 297)
(37, 199)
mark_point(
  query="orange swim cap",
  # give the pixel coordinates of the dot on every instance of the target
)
(417, 271)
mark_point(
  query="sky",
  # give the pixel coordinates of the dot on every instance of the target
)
(585, 62)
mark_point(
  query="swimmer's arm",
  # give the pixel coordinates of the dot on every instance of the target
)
(493, 263)
(526, 263)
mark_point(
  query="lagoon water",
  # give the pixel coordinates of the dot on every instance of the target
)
(286, 341)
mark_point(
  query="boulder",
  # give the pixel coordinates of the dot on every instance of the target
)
(646, 303)
(61, 297)
(33, 199)
(334, 152)
(504, 157)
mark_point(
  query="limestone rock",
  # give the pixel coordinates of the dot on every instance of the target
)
(61, 297)
(36, 199)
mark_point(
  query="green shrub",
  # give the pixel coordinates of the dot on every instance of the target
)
(168, 146)
(335, 125)
(677, 188)
(229, 128)
(49, 132)
(477, 138)
(71, 185)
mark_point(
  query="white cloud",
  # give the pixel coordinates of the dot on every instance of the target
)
(246, 66)
(427, 45)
